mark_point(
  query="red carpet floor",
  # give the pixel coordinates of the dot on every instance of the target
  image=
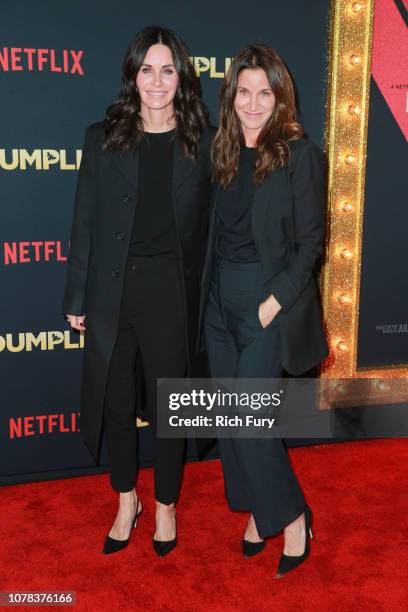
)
(52, 533)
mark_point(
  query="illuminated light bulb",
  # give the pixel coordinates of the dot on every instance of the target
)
(349, 159)
(342, 346)
(356, 7)
(346, 253)
(353, 109)
(354, 59)
(341, 388)
(347, 206)
(344, 298)
(381, 385)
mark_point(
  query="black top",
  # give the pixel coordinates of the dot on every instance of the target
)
(154, 229)
(235, 241)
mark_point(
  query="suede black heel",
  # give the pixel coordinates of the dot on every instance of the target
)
(250, 549)
(162, 547)
(290, 562)
(111, 545)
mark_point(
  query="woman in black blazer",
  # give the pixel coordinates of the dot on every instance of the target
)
(136, 254)
(263, 311)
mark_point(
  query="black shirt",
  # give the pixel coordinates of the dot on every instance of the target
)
(235, 241)
(154, 229)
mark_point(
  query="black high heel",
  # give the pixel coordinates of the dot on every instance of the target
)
(161, 547)
(111, 545)
(249, 549)
(290, 562)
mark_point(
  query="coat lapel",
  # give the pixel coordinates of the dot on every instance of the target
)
(128, 166)
(212, 231)
(183, 167)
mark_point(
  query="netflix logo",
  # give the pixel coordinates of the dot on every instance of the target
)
(36, 251)
(40, 424)
(16, 59)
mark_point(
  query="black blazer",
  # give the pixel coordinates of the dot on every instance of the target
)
(288, 224)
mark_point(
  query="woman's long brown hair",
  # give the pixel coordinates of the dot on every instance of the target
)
(272, 148)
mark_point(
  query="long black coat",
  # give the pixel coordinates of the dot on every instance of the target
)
(288, 225)
(105, 201)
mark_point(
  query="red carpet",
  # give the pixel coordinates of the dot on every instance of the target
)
(52, 533)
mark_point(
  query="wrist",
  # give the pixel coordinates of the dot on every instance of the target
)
(273, 302)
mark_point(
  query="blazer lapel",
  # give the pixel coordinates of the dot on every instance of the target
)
(259, 206)
(213, 202)
(264, 197)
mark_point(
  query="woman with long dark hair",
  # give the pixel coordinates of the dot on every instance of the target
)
(134, 266)
(263, 312)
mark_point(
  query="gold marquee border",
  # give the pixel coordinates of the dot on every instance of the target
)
(349, 69)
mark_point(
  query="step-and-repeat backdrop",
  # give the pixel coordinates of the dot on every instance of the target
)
(60, 66)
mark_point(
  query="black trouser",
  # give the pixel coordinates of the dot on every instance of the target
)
(257, 472)
(152, 330)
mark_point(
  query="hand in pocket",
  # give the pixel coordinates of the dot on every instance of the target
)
(267, 311)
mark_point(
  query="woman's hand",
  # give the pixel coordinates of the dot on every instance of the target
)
(76, 322)
(268, 310)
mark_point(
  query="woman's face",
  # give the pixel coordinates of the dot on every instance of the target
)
(254, 100)
(157, 79)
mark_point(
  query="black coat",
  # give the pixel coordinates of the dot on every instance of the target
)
(105, 201)
(288, 225)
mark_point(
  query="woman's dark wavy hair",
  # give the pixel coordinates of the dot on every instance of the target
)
(123, 124)
(272, 148)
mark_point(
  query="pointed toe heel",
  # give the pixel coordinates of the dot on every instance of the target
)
(162, 548)
(250, 549)
(112, 546)
(288, 563)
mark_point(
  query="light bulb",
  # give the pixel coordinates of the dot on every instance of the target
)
(353, 109)
(342, 346)
(344, 298)
(347, 206)
(354, 59)
(356, 7)
(346, 253)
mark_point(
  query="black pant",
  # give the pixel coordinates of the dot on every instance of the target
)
(257, 472)
(151, 333)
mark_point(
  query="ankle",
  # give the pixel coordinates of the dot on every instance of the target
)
(297, 525)
(165, 507)
(128, 499)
